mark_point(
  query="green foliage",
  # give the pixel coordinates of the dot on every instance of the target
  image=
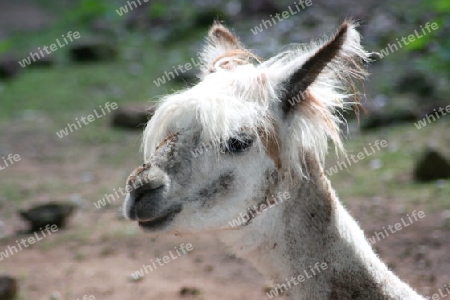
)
(435, 44)
(442, 6)
(158, 10)
(5, 45)
(88, 11)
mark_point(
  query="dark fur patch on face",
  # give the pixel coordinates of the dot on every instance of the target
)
(219, 186)
(173, 158)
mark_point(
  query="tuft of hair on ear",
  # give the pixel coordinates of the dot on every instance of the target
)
(341, 58)
(219, 34)
(223, 50)
(315, 82)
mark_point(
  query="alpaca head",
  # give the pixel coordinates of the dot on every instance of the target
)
(243, 132)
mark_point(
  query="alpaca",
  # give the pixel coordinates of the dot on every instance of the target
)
(267, 126)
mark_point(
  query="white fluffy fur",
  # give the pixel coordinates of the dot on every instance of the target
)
(222, 104)
(227, 100)
(238, 92)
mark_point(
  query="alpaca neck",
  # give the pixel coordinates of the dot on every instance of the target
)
(311, 238)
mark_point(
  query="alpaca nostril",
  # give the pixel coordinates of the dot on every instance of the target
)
(144, 185)
(137, 194)
(141, 198)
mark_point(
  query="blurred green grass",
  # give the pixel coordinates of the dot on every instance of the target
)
(70, 89)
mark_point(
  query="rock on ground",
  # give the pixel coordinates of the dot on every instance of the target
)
(431, 166)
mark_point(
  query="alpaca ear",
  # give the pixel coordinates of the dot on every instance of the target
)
(220, 37)
(296, 84)
(221, 43)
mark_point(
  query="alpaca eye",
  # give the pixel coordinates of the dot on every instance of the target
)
(235, 145)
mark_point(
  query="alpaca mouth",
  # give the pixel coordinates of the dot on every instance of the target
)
(161, 221)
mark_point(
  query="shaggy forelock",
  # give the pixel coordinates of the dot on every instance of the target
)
(242, 94)
(223, 104)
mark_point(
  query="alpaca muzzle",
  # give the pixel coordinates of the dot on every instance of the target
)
(145, 187)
